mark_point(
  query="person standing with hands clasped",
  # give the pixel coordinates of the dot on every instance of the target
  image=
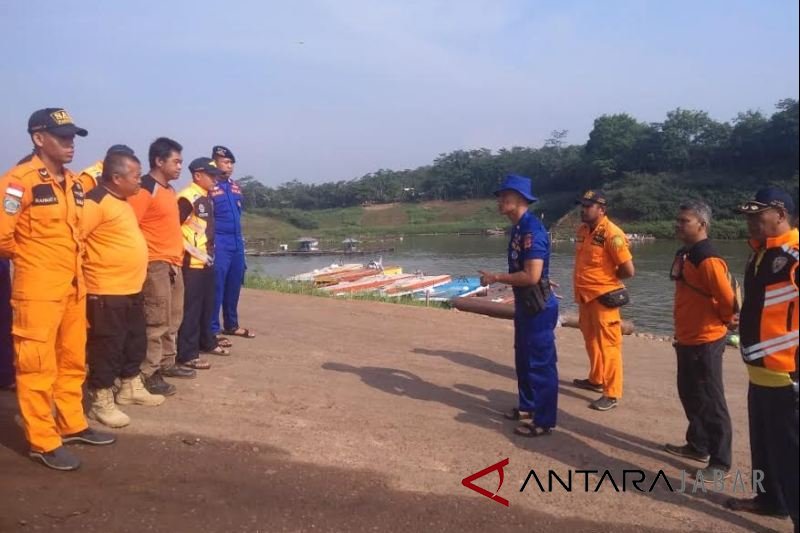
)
(703, 310)
(535, 310)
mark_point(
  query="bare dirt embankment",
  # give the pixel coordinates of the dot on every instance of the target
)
(363, 416)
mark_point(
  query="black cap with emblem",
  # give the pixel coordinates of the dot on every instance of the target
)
(204, 164)
(54, 120)
(768, 198)
(221, 151)
(592, 197)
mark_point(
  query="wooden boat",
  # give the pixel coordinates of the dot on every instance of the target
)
(369, 283)
(334, 268)
(505, 309)
(353, 275)
(414, 284)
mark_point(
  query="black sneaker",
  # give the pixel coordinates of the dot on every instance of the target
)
(89, 436)
(751, 505)
(177, 371)
(588, 385)
(58, 459)
(604, 403)
(688, 451)
(155, 384)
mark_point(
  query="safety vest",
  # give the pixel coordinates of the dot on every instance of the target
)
(769, 319)
(198, 228)
(90, 176)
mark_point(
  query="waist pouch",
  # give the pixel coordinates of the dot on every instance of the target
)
(615, 298)
(534, 298)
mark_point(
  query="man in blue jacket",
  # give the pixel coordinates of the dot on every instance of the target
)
(229, 258)
(535, 310)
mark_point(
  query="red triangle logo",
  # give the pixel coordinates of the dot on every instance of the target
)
(468, 482)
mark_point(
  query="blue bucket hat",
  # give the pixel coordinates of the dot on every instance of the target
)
(519, 184)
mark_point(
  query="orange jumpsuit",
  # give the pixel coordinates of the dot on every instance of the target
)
(598, 253)
(39, 231)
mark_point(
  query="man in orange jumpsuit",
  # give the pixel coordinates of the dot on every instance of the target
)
(602, 259)
(39, 231)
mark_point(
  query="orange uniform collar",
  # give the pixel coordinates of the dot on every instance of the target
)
(600, 223)
(790, 237)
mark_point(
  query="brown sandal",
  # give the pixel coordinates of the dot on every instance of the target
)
(224, 342)
(197, 364)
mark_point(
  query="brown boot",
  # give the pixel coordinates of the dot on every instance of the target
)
(105, 411)
(133, 392)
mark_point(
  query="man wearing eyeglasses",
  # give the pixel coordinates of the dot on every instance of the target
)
(703, 309)
(769, 343)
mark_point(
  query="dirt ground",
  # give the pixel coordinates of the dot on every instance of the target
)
(363, 416)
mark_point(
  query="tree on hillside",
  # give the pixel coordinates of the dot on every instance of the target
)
(612, 142)
(782, 135)
(691, 139)
(746, 142)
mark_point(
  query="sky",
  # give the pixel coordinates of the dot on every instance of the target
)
(325, 90)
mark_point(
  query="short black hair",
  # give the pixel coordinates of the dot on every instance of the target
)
(26, 158)
(114, 163)
(161, 148)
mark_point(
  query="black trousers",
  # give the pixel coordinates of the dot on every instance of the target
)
(195, 334)
(774, 421)
(702, 395)
(117, 338)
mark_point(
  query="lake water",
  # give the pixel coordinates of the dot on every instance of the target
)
(651, 289)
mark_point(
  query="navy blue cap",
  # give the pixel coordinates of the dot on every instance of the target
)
(592, 197)
(205, 164)
(768, 198)
(221, 151)
(519, 184)
(120, 149)
(55, 120)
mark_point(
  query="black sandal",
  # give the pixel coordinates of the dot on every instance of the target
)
(532, 430)
(240, 332)
(224, 342)
(516, 414)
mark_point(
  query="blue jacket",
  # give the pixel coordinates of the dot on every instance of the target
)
(227, 198)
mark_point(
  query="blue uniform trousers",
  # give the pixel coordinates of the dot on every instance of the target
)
(535, 361)
(229, 268)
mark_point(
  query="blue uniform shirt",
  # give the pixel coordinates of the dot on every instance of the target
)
(227, 198)
(529, 240)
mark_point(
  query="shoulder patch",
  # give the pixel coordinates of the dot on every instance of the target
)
(15, 189)
(96, 194)
(149, 184)
(11, 205)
